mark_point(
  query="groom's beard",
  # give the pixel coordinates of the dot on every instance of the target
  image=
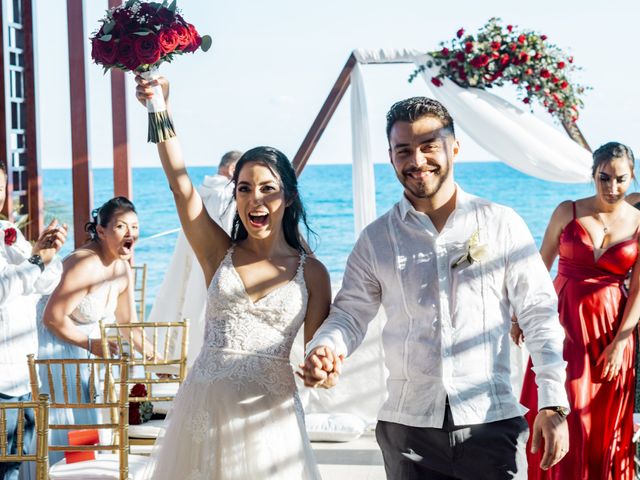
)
(427, 187)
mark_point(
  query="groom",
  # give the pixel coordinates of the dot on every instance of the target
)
(449, 269)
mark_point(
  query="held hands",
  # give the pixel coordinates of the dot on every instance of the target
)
(144, 89)
(552, 428)
(321, 368)
(50, 241)
(611, 358)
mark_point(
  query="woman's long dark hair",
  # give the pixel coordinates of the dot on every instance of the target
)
(103, 215)
(294, 212)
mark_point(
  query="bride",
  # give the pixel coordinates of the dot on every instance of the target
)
(237, 415)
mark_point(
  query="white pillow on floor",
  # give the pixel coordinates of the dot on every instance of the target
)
(334, 427)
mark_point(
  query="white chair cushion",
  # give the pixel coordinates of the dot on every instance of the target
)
(104, 467)
(334, 427)
(150, 429)
(162, 407)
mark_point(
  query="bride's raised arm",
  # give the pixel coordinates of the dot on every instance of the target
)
(208, 240)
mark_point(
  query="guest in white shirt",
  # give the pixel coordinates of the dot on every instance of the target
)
(26, 272)
(448, 268)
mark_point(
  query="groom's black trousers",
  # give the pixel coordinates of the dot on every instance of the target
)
(489, 451)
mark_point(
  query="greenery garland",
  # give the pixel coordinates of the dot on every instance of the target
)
(500, 54)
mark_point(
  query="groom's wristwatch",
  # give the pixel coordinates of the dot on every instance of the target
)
(562, 411)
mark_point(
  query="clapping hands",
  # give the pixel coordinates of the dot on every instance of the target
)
(321, 368)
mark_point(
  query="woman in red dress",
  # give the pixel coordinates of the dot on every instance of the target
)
(597, 240)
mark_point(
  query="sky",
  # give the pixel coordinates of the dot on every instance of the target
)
(273, 63)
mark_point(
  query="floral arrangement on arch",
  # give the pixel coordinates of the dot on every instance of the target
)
(498, 54)
(139, 36)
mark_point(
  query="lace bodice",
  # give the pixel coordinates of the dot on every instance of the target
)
(99, 304)
(246, 340)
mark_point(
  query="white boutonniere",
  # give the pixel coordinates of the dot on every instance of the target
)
(475, 251)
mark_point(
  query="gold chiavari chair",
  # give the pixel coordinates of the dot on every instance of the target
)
(139, 289)
(160, 366)
(120, 465)
(40, 457)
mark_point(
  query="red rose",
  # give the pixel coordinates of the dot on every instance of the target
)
(529, 71)
(196, 40)
(564, 84)
(544, 73)
(480, 61)
(570, 59)
(555, 79)
(444, 52)
(513, 47)
(462, 74)
(543, 37)
(505, 59)
(510, 28)
(515, 80)
(147, 49)
(528, 87)
(537, 88)
(561, 65)
(453, 64)
(138, 390)
(436, 81)
(104, 52)
(526, 100)
(495, 55)
(127, 54)
(495, 45)
(10, 236)
(168, 40)
(459, 33)
(537, 56)
(524, 57)
(468, 47)
(460, 57)
(521, 38)
(184, 36)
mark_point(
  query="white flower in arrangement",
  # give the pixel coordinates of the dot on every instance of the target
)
(475, 251)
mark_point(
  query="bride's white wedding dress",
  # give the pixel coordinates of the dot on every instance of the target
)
(237, 415)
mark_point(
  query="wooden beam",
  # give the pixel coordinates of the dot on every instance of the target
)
(35, 202)
(4, 113)
(575, 134)
(80, 162)
(326, 112)
(121, 168)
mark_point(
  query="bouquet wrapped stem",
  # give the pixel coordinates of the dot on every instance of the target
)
(160, 122)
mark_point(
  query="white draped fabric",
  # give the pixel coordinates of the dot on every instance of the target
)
(512, 135)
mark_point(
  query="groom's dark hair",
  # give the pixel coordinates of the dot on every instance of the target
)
(415, 108)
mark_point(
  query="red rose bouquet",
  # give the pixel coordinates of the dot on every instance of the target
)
(138, 36)
(139, 412)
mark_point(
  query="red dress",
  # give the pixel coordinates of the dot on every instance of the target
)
(591, 303)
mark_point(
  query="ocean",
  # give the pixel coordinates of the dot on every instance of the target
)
(327, 195)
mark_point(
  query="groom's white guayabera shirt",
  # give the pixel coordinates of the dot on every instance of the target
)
(447, 331)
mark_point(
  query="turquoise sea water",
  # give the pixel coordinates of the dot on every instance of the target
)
(326, 191)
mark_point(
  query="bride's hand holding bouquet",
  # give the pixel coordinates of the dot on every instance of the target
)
(138, 37)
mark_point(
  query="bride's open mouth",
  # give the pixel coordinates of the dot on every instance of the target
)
(258, 220)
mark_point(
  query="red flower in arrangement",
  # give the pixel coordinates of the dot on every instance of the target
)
(184, 36)
(138, 390)
(168, 40)
(127, 54)
(106, 51)
(148, 49)
(134, 414)
(497, 55)
(10, 236)
(196, 40)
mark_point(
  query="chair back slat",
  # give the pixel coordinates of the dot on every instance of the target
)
(41, 413)
(119, 439)
(139, 289)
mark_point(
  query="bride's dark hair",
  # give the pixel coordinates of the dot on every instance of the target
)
(294, 212)
(103, 214)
